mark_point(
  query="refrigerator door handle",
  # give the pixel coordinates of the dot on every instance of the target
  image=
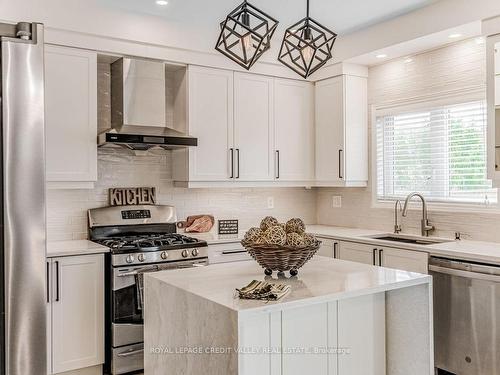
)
(48, 282)
(57, 281)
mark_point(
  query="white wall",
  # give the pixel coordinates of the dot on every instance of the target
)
(454, 68)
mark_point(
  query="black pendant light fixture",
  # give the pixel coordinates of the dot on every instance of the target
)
(246, 34)
(306, 46)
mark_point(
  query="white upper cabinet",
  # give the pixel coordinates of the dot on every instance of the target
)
(341, 131)
(71, 116)
(253, 127)
(294, 130)
(211, 121)
(252, 130)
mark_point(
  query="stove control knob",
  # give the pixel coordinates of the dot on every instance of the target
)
(185, 253)
(129, 259)
(141, 257)
(195, 252)
(164, 255)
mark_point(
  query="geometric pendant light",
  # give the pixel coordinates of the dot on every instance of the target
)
(306, 46)
(246, 34)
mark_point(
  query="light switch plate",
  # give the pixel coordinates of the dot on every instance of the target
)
(270, 202)
(336, 201)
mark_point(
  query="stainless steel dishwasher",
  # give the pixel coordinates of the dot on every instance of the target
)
(466, 317)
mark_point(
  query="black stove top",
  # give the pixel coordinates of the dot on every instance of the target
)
(149, 242)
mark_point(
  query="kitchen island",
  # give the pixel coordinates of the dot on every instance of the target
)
(340, 318)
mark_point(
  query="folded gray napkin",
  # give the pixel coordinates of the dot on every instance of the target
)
(263, 291)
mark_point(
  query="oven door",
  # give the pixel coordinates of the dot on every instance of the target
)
(126, 307)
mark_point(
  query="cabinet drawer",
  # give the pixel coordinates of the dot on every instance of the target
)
(228, 252)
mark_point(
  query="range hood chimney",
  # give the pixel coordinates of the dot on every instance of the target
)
(139, 107)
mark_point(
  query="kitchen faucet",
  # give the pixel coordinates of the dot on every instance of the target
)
(397, 226)
(425, 227)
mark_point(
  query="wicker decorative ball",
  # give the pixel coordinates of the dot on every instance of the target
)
(275, 235)
(268, 222)
(295, 225)
(309, 239)
(253, 235)
(295, 240)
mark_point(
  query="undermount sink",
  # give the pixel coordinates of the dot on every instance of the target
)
(417, 240)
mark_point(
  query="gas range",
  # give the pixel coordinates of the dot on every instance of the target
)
(142, 239)
(142, 235)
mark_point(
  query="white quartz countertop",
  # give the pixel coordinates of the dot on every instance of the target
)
(76, 247)
(479, 251)
(321, 279)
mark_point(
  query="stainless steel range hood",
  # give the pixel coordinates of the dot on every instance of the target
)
(140, 111)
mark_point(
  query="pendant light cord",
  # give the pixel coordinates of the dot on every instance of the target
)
(307, 12)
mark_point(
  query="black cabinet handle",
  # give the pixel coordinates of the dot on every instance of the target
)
(231, 152)
(57, 281)
(335, 255)
(277, 163)
(374, 257)
(238, 162)
(48, 281)
(380, 257)
(341, 172)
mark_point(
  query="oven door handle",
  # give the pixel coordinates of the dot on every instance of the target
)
(147, 270)
(466, 274)
(133, 273)
(131, 353)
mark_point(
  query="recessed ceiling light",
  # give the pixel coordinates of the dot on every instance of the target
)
(162, 2)
(381, 56)
(479, 40)
(454, 36)
(408, 60)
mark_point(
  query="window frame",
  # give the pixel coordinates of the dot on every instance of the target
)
(424, 103)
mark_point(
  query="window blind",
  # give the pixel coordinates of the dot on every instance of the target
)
(440, 152)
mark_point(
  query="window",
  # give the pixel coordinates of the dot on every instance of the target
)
(440, 152)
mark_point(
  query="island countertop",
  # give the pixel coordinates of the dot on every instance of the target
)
(321, 279)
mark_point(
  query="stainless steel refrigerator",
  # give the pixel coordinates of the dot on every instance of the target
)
(23, 237)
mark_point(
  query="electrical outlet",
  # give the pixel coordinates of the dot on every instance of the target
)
(336, 201)
(270, 203)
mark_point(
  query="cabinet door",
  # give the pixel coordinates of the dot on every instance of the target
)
(77, 312)
(406, 260)
(211, 121)
(294, 130)
(356, 252)
(304, 328)
(327, 248)
(253, 127)
(330, 130)
(71, 114)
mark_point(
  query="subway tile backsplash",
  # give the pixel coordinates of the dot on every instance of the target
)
(67, 209)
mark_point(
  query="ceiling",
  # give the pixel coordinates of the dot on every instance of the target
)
(341, 16)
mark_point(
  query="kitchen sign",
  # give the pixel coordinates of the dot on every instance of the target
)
(132, 196)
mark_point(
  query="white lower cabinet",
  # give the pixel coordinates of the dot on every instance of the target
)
(329, 248)
(295, 342)
(406, 260)
(358, 252)
(76, 314)
(390, 257)
(227, 252)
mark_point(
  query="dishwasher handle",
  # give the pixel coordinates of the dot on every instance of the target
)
(466, 274)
